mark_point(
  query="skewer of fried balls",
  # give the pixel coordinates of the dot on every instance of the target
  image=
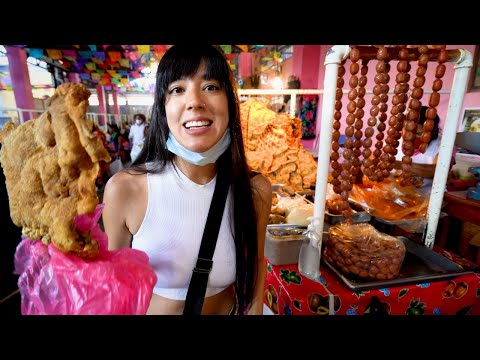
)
(357, 154)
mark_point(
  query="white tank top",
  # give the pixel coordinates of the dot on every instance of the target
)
(172, 230)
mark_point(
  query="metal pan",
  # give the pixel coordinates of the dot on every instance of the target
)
(421, 265)
(357, 217)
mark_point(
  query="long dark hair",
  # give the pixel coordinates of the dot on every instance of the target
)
(436, 122)
(183, 61)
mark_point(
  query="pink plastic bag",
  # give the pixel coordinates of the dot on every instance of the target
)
(53, 283)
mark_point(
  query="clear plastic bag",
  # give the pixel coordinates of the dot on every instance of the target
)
(54, 283)
(389, 201)
(361, 251)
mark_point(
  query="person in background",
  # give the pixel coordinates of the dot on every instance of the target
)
(424, 165)
(137, 135)
(113, 140)
(160, 204)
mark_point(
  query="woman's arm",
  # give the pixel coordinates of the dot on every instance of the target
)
(263, 203)
(118, 199)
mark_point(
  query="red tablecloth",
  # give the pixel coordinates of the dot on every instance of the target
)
(287, 292)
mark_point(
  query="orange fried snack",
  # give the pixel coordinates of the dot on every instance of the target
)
(50, 166)
(273, 147)
(390, 201)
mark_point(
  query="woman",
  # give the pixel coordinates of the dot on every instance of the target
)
(160, 205)
(423, 165)
(113, 141)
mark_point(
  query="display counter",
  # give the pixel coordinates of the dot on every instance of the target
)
(460, 209)
(287, 292)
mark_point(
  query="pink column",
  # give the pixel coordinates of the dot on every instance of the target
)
(73, 77)
(101, 104)
(116, 108)
(22, 88)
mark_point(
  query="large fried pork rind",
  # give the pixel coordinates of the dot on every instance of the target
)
(272, 146)
(50, 165)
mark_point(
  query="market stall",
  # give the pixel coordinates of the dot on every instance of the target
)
(287, 292)
(357, 262)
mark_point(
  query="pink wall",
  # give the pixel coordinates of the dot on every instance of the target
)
(307, 64)
(287, 70)
(472, 97)
(297, 61)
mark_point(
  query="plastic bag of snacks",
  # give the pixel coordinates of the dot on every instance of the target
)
(54, 283)
(362, 252)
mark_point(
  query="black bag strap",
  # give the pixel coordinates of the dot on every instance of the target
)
(198, 283)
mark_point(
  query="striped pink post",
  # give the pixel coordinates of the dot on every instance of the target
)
(22, 88)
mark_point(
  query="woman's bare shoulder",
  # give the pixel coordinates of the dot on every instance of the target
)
(261, 183)
(126, 182)
(262, 187)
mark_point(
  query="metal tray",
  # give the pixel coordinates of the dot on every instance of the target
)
(420, 265)
(356, 217)
(293, 226)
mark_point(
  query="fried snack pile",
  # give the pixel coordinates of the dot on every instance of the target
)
(272, 146)
(50, 165)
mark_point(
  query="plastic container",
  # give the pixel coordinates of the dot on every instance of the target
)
(309, 257)
(283, 243)
(463, 163)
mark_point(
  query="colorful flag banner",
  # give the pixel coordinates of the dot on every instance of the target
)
(70, 54)
(143, 48)
(135, 74)
(99, 55)
(132, 55)
(36, 53)
(86, 54)
(91, 66)
(124, 63)
(114, 74)
(115, 55)
(159, 49)
(227, 49)
(54, 54)
(242, 47)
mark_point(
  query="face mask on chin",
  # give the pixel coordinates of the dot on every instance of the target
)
(201, 159)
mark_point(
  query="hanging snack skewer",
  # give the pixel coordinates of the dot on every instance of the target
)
(378, 163)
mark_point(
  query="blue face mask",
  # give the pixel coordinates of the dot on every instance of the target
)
(204, 158)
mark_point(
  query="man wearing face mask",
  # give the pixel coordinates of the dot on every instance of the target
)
(137, 135)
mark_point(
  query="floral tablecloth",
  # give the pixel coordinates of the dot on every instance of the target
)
(287, 292)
